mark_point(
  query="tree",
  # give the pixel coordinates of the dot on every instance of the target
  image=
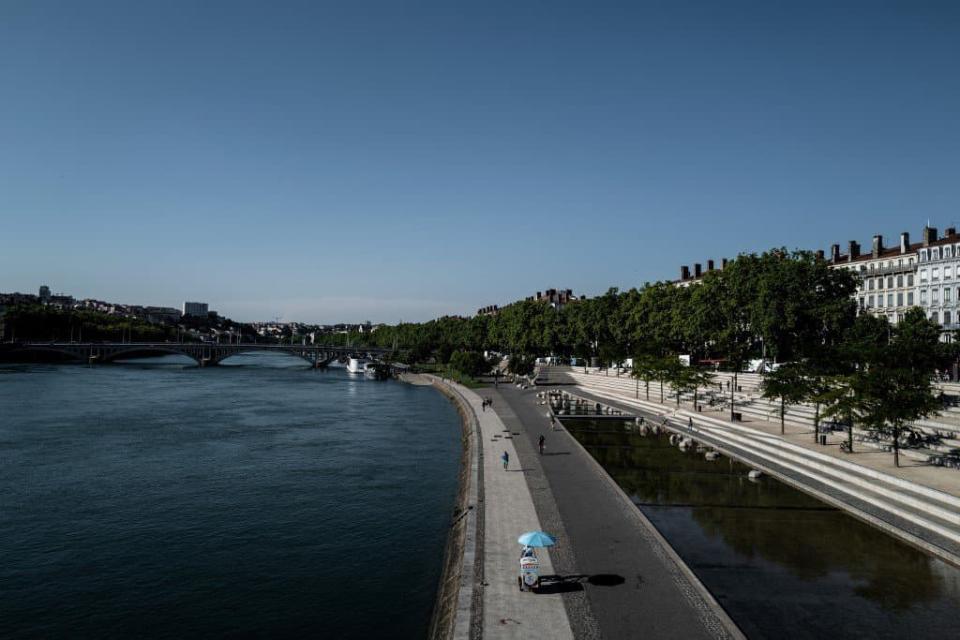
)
(682, 378)
(899, 387)
(665, 368)
(645, 368)
(787, 384)
(471, 363)
(699, 378)
(520, 365)
(843, 400)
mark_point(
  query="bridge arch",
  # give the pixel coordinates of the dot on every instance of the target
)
(243, 350)
(148, 351)
(52, 353)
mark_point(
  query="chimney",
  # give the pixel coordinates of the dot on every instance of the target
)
(723, 263)
(538, 295)
(877, 246)
(854, 251)
(835, 253)
(819, 254)
(950, 232)
(904, 242)
(697, 270)
(709, 265)
(929, 235)
(684, 272)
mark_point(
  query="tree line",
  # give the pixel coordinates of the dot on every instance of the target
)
(786, 306)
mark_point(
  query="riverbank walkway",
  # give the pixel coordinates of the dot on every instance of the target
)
(918, 503)
(508, 512)
(621, 579)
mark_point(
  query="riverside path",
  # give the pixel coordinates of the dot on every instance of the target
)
(623, 579)
(509, 511)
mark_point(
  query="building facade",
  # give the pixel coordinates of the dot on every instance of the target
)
(556, 298)
(195, 308)
(938, 278)
(887, 275)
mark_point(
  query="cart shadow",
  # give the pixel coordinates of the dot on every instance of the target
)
(565, 584)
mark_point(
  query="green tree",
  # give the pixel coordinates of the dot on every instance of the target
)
(899, 388)
(646, 368)
(787, 384)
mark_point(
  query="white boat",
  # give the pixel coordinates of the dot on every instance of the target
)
(357, 365)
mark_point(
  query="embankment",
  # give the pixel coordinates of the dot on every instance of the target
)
(458, 599)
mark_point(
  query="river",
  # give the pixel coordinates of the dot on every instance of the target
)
(782, 564)
(255, 499)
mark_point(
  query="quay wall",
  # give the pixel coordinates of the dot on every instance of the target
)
(457, 608)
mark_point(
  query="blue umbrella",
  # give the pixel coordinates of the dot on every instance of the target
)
(536, 539)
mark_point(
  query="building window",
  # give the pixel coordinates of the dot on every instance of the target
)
(923, 256)
(889, 299)
(869, 301)
(947, 273)
(934, 296)
(870, 284)
(946, 317)
(923, 275)
(899, 299)
(923, 296)
(862, 303)
(909, 279)
(910, 298)
(934, 274)
(935, 254)
(879, 283)
(899, 281)
(935, 317)
(946, 294)
(890, 282)
(946, 252)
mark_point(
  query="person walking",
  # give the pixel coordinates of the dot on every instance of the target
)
(541, 443)
(483, 403)
(506, 460)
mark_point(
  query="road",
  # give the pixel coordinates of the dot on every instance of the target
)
(623, 579)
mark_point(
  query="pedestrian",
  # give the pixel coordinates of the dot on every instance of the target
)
(506, 460)
(541, 443)
(690, 422)
(483, 403)
(641, 421)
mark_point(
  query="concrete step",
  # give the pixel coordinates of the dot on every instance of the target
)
(930, 510)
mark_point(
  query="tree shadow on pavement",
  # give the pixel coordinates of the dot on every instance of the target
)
(566, 584)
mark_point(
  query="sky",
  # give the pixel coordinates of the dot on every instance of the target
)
(387, 161)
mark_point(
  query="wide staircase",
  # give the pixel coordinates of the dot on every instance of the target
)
(925, 516)
(936, 441)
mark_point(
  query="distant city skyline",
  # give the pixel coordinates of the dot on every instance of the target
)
(329, 163)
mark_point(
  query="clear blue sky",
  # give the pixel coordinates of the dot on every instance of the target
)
(384, 160)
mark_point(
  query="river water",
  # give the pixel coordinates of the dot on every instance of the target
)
(782, 564)
(256, 500)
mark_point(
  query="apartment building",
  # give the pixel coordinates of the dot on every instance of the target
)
(938, 277)
(887, 275)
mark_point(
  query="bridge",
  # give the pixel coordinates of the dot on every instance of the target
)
(204, 353)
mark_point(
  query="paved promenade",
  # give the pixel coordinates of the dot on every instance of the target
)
(890, 499)
(625, 579)
(508, 512)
